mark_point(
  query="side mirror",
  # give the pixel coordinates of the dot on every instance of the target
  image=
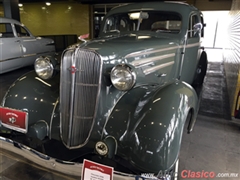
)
(197, 28)
(144, 15)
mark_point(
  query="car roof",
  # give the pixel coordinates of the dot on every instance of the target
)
(9, 20)
(174, 6)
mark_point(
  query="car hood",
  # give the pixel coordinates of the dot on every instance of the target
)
(121, 47)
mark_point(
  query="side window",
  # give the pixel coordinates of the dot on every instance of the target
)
(127, 25)
(123, 25)
(110, 24)
(6, 30)
(192, 21)
(21, 31)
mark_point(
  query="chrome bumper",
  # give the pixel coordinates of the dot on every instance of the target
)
(63, 167)
(56, 165)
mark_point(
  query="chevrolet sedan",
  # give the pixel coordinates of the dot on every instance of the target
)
(115, 107)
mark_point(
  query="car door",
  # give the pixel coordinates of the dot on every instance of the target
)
(10, 50)
(192, 51)
(28, 44)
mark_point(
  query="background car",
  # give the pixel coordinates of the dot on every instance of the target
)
(19, 47)
(121, 100)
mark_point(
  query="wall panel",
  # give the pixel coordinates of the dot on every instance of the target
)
(232, 57)
(57, 19)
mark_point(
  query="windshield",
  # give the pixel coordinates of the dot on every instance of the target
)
(155, 21)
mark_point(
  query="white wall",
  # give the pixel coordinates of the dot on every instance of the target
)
(215, 33)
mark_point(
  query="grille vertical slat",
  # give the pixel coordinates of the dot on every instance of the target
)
(77, 122)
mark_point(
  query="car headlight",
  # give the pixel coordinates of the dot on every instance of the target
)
(44, 67)
(122, 77)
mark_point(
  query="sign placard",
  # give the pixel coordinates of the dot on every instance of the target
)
(14, 119)
(95, 171)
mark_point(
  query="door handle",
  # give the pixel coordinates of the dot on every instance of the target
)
(17, 41)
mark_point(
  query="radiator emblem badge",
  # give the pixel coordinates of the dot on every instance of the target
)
(73, 69)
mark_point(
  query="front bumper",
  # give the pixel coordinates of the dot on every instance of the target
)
(72, 169)
(52, 164)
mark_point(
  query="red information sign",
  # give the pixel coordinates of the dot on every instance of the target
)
(14, 119)
(93, 171)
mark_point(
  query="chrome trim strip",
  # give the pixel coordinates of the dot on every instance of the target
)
(73, 77)
(145, 52)
(27, 40)
(28, 55)
(61, 69)
(52, 116)
(183, 55)
(83, 117)
(155, 68)
(10, 59)
(151, 59)
(82, 84)
(56, 165)
(42, 81)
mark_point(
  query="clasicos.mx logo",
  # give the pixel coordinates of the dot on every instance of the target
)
(186, 174)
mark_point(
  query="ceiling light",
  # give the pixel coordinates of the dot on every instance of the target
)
(48, 3)
(20, 5)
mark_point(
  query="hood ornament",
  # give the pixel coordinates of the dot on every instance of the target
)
(83, 37)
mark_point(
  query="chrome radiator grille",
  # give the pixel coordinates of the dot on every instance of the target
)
(79, 90)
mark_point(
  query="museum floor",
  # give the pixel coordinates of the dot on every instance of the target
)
(213, 146)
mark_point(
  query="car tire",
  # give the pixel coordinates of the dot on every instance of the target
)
(188, 122)
(201, 70)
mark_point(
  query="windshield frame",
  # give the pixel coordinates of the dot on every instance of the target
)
(138, 21)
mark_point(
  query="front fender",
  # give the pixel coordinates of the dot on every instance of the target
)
(36, 96)
(148, 129)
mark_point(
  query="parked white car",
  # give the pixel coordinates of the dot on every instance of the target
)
(18, 47)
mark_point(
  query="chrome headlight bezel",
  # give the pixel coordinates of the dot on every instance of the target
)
(119, 81)
(44, 68)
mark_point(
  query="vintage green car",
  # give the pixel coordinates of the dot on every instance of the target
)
(121, 100)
